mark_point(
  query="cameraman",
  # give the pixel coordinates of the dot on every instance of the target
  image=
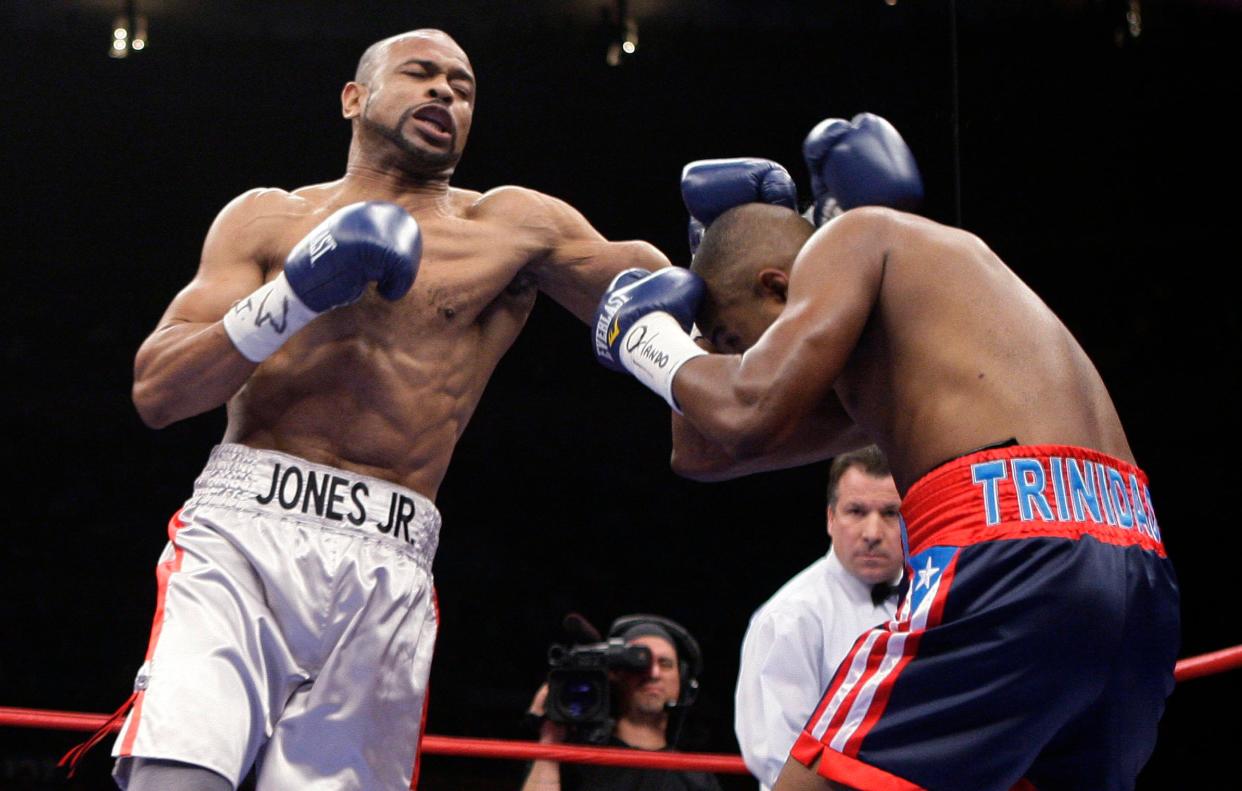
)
(644, 702)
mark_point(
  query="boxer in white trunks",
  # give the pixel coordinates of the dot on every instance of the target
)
(350, 327)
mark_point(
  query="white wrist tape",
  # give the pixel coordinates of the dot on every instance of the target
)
(654, 349)
(259, 324)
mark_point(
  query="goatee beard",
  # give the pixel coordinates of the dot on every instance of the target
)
(417, 161)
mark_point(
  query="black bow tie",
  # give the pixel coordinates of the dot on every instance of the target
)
(883, 591)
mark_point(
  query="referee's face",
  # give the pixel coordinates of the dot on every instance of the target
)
(865, 525)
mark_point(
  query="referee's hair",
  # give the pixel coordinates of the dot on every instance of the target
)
(870, 460)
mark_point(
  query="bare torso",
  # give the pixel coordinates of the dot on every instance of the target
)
(386, 388)
(959, 353)
(376, 387)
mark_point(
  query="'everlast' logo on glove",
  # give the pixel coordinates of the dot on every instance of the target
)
(321, 245)
(606, 335)
(607, 322)
(649, 312)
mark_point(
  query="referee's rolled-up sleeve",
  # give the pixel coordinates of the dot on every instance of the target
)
(778, 687)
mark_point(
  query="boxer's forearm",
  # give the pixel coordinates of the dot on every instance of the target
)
(185, 369)
(579, 271)
(698, 458)
(726, 434)
(725, 416)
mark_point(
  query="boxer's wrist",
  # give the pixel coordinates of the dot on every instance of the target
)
(654, 349)
(260, 323)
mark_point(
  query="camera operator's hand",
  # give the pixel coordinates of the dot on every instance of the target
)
(549, 732)
(544, 775)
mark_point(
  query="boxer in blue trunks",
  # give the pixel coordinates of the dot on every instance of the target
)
(1036, 646)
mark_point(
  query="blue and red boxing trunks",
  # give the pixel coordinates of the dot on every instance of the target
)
(1035, 647)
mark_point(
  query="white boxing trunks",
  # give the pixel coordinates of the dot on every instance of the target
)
(294, 625)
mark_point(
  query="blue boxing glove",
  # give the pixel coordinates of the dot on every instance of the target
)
(359, 244)
(861, 162)
(642, 324)
(362, 243)
(710, 187)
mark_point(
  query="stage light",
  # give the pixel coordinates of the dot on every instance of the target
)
(623, 34)
(120, 38)
(129, 32)
(139, 39)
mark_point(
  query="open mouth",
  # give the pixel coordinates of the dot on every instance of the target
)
(434, 122)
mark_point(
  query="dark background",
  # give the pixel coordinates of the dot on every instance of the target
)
(1096, 162)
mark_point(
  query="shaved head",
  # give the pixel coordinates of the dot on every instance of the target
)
(375, 53)
(744, 259)
(745, 240)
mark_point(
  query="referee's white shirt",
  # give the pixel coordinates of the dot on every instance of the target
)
(791, 649)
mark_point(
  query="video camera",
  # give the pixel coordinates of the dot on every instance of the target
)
(579, 693)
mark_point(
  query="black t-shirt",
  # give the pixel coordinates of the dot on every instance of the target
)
(592, 777)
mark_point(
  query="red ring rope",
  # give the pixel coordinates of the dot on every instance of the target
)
(443, 745)
(1209, 664)
(1191, 667)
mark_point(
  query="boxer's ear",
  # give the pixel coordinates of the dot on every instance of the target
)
(353, 98)
(774, 282)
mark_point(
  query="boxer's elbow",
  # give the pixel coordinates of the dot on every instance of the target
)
(154, 404)
(180, 372)
(744, 427)
(683, 465)
(698, 457)
(745, 448)
(157, 397)
(699, 466)
(150, 399)
(726, 461)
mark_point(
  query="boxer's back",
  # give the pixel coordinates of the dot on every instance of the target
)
(959, 353)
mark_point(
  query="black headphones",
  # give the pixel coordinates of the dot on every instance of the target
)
(689, 657)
